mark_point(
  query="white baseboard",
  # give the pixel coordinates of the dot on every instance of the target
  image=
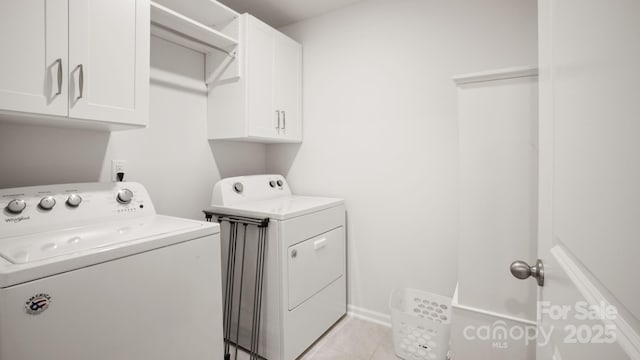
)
(495, 315)
(369, 315)
(455, 304)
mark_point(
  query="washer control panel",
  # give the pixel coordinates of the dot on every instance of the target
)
(124, 196)
(16, 206)
(48, 202)
(74, 200)
(27, 208)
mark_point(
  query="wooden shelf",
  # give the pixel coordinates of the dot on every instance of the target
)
(199, 27)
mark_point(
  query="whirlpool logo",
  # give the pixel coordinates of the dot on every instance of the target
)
(37, 304)
(17, 219)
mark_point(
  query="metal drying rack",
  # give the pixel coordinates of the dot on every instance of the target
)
(262, 225)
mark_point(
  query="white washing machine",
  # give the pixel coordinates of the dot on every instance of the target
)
(304, 268)
(89, 271)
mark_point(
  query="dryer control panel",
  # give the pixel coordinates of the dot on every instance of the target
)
(241, 189)
(29, 209)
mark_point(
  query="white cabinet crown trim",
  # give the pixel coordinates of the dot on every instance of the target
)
(500, 74)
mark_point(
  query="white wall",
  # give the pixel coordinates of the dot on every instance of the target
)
(498, 214)
(380, 128)
(468, 341)
(498, 193)
(172, 157)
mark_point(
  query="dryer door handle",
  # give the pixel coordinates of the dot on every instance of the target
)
(319, 244)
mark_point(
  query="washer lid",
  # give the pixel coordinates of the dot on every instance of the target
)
(93, 238)
(281, 208)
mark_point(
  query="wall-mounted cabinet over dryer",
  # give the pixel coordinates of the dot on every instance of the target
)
(82, 63)
(260, 101)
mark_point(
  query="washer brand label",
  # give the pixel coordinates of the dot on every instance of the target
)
(17, 219)
(37, 304)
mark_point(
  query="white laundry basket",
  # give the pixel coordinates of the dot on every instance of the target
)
(421, 324)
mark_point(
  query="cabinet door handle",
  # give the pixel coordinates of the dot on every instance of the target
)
(59, 61)
(278, 125)
(284, 119)
(81, 81)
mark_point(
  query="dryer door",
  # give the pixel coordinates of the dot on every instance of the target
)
(314, 264)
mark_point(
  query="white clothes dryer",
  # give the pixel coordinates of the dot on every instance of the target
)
(304, 283)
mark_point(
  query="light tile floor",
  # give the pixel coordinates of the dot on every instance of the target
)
(353, 339)
(350, 339)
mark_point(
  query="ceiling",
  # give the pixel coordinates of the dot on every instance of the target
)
(278, 13)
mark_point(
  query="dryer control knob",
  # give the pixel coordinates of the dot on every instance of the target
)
(16, 206)
(124, 196)
(47, 203)
(279, 182)
(74, 200)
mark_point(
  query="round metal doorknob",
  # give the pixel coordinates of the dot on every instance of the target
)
(521, 270)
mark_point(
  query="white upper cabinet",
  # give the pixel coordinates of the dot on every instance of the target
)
(262, 101)
(260, 64)
(109, 60)
(33, 69)
(287, 87)
(70, 60)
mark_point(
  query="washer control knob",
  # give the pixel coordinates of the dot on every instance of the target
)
(279, 182)
(74, 200)
(124, 196)
(16, 206)
(238, 188)
(272, 183)
(47, 203)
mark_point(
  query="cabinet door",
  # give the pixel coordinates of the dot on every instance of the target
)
(262, 117)
(109, 60)
(287, 89)
(33, 72)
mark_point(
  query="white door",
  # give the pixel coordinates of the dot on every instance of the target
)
(109, 60)
(33, 39)
(589, 236)
(262, 116)
(287, 91)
